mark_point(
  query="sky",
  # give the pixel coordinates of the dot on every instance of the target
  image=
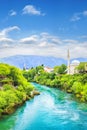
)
(43, 27)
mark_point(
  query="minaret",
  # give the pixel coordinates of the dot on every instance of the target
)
(68, 62)
(24, 67)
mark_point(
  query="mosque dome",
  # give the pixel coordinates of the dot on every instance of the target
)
(75, 62)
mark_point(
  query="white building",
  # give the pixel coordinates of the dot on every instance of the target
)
(48, 69)
(73, 66)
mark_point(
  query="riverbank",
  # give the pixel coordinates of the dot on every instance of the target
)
(14, 89)
(53, 109)
(75, 84)
(11, 109)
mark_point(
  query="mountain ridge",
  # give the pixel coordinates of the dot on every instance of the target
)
(35, 60)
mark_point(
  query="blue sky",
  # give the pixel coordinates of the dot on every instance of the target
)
(43, 27)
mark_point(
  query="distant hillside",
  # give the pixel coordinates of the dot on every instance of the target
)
(33, 60)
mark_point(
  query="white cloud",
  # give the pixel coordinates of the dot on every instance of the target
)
(4, 32)
(85, 13)
(31, 39)
(30, 9)
(6, 40)
(6, 43)
(42, 44)
(75, 17)
(57, 51)
(44, 39)
(78, 16)
(45, 45)
(50, 38)
(12, 13)
(70, 41)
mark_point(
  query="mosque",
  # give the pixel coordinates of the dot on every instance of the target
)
(71, 67)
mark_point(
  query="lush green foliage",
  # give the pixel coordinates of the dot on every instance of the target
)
(14, 88)
(60, 69)
(75, 84)
(82, 67)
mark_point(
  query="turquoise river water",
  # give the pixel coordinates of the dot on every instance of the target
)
(51, 110)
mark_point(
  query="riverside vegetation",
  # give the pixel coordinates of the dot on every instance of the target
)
(75, 84)
(14, 89)
(15, 86)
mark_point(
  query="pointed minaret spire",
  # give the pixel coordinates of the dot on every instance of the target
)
(24, 67)
(68, 65)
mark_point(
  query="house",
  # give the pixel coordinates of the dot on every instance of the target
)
(48, 69)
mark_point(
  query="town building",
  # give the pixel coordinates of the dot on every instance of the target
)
(48, 69)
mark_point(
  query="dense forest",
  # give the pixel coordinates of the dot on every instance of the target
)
(75, 84)
(14, 89)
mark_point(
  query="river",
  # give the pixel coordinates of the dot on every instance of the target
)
(51, 110)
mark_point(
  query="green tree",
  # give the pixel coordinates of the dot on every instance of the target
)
(56, 69)
(4, 69)
(81, 68)
(62, 69)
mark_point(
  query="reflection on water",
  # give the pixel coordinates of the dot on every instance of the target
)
(51, 110)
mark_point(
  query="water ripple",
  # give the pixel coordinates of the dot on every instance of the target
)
(51, 110)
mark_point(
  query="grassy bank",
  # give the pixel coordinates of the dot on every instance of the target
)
(75, 84)
(14, 89)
